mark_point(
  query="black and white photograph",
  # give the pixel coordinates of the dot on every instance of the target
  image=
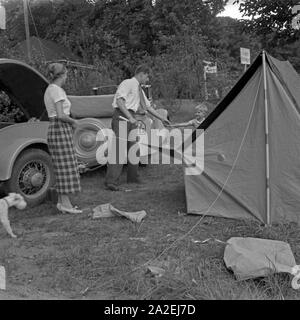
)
(150, 151)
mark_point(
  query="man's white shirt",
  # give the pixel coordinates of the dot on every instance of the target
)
(129, 91)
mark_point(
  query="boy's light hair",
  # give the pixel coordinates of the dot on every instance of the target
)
(201, 107)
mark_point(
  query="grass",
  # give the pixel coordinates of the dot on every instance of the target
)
(77, 257)
(64, 256)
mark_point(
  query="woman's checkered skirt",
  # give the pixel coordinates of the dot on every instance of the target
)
(60, 143)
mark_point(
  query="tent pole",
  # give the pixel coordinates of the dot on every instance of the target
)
(267, 139)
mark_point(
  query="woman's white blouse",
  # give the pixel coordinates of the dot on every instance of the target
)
(54, 94)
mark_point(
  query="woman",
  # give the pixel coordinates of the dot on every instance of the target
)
(60, 138)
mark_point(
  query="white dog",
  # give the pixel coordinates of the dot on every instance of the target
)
(12, 200)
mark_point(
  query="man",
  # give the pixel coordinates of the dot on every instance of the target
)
(129, 101)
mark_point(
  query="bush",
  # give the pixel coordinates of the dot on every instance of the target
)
(8, 111)
(177, 72)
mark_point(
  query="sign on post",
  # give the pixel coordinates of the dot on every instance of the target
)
(2, 278)
(296, 19)
(2, 18)
(210, 69)
(245, 57)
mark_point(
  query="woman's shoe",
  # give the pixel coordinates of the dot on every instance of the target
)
(64, 209)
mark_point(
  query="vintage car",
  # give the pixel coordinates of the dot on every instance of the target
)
(25, 163)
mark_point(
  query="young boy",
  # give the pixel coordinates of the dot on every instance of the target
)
(200, 113)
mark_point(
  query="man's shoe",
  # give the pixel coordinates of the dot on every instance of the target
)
(143, 164)
(137, 181)
(112, 187)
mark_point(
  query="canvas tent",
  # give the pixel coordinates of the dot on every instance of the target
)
(265, 102)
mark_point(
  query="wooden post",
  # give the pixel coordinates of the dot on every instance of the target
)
(205, 85)
(267, 139)
(25, 7)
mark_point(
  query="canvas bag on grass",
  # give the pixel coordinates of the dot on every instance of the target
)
(252, 258)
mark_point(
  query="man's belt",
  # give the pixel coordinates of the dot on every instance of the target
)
(141, 113)
(138, 113)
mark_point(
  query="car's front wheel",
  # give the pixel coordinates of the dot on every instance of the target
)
(32, 176)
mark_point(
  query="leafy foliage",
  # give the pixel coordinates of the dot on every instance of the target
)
(269, 16)
(272, 22)
(8, 111)
(172, 36)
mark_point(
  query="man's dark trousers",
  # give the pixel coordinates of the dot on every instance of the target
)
(114, 171)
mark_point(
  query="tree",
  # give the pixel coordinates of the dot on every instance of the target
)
(272, 22)
(269, 16)
(174, 36)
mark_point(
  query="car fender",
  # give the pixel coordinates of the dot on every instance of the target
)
(8, 158)
(14, 139)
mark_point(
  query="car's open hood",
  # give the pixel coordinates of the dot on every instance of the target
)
(25, 86)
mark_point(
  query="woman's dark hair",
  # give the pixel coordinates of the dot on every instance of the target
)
(55, 70)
